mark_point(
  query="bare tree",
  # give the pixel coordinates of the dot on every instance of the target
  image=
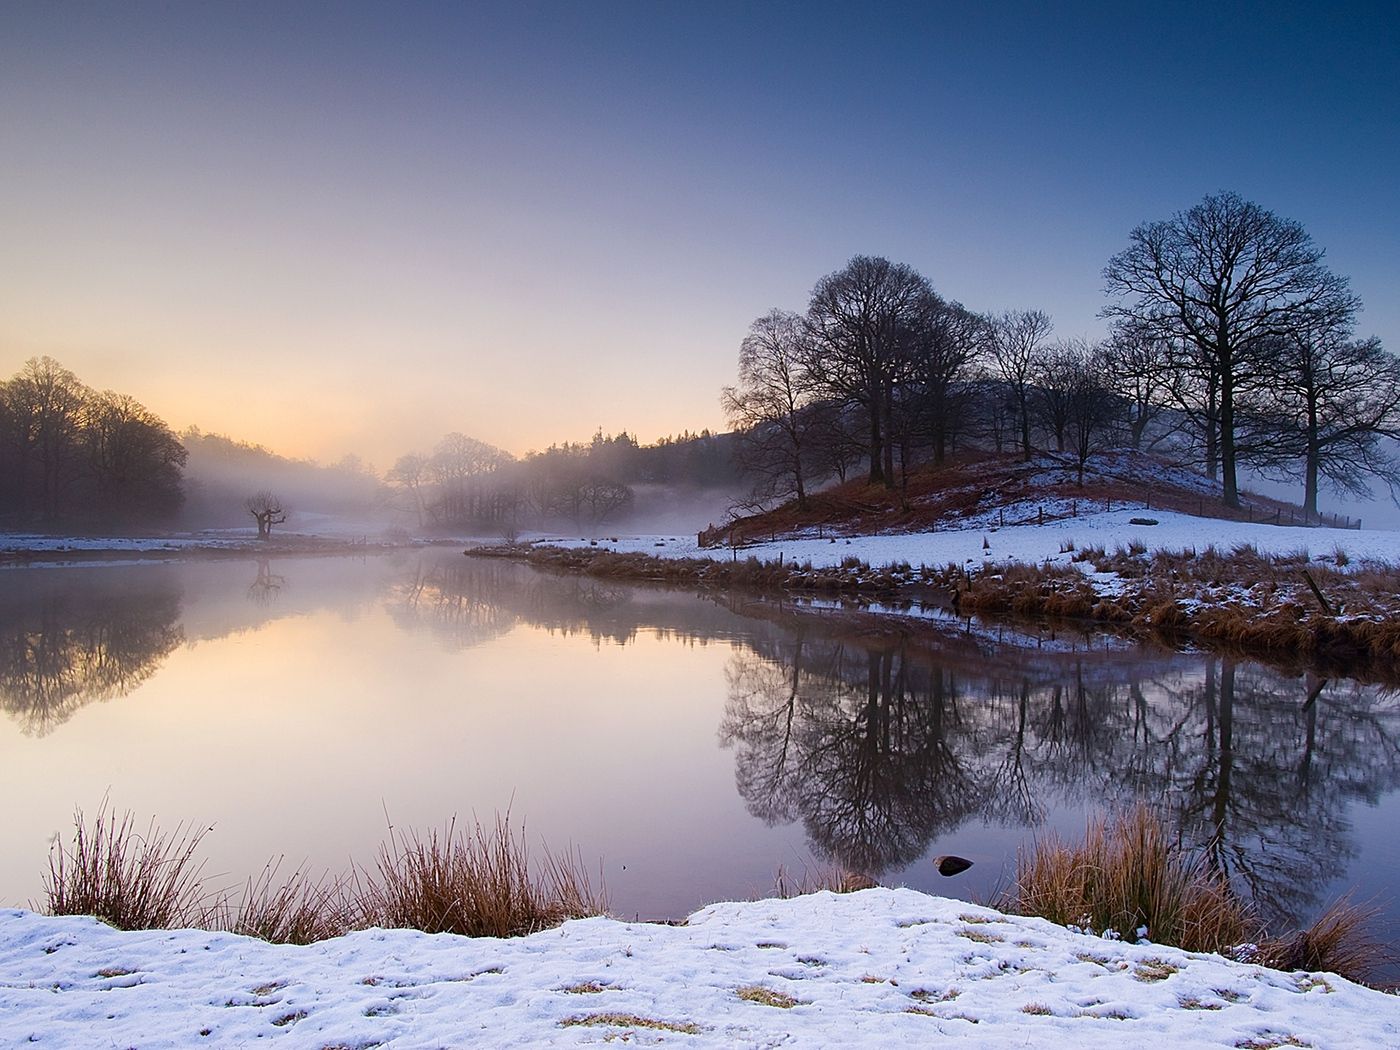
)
(1227, 276)
(1017, 337)
(1140, 367)
(771, 407)
(858, 320)
(267, 511)
(945, 341)
(1091, 408)
(1056, 374)
(1342, 399)
(409, 473)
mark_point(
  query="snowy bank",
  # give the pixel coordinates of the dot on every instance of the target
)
(1032, 544)
(876, 968)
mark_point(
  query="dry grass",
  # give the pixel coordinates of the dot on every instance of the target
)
(630, 1021)
(837, 879)
(1338, 941)
(1126, 875)
(757, 993)
(476, 883)
(129, 879)
(299, 910)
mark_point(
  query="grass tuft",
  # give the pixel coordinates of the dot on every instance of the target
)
(757, 993)
(1127, 875)
(128, 879)
(1338, 941)
(476, 883)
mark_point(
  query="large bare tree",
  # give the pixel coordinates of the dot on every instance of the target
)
(1228, 277)
(858, 320)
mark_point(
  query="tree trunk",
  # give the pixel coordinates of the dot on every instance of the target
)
(1227, 437)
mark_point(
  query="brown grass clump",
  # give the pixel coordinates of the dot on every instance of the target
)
(757, 993)
(476, 883)
(1127, 875)
(1338, 941)
(131, 880)
(813, 880)
(630, 1021)
(299, 910)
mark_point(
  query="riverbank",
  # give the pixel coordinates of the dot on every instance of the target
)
(875, 968)
(1306, 597)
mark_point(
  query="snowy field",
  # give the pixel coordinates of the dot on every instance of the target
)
(878, 968)
(1031, 543)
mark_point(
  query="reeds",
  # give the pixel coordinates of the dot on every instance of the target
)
(1125, 876)
(128, 879)
(1129, 879)
(476, 882)
(1338, 941)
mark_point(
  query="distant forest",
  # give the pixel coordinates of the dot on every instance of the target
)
(71, 453)
(1230, 345)
(73, 457)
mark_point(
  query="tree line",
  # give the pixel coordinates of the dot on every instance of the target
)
(68, 452)
(465, 482)
(1229, 340)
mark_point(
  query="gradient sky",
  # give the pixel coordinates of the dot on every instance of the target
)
(337, 228)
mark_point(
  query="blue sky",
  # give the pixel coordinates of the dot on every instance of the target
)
(352, 227)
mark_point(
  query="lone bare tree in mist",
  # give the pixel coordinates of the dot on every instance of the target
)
(266, 510)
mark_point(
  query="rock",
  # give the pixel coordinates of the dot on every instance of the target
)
(950, 865)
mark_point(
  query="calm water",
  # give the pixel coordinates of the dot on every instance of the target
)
(691, 746)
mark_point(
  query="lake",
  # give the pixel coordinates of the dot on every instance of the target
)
(689, 746)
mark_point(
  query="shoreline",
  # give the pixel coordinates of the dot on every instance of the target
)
(1335, 613)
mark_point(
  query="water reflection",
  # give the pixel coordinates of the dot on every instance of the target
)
(880, 746)
(67, 641)
(875, 741)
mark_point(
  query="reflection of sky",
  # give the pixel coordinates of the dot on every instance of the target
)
(295, 738)
(236, 212)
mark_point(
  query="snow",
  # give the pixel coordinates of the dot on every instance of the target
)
(877, 968)
(1031, 543)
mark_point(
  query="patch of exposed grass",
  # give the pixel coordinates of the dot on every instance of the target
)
(1149, 970)
(1037, 1009)
(1193, 1002)
(1270, 1041)
(757, 993)
(586, 988)
(980, 936)
(613, 1020)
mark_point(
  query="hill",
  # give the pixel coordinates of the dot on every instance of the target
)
(981, 489)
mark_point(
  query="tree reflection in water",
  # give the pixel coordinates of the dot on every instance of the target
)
(69, 640)
(879, 746)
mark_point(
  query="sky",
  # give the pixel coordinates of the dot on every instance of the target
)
(352, 228)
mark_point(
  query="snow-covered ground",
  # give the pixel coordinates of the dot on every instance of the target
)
(878, 968)
(1030, 543)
